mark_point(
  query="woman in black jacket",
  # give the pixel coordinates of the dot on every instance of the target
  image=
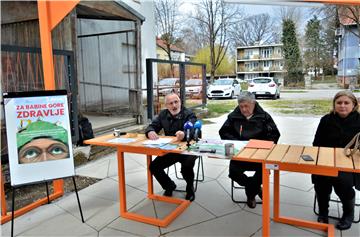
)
(336, 129)
(248, 121)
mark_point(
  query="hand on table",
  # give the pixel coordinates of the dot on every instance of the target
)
(153, 135)
(179, 136)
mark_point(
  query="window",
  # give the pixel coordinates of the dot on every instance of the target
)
(266, 53)
(267, 63)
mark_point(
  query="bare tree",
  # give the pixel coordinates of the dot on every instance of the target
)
(166, 16)
(350, 14)
(328, 14)
(192, 38)
(256, 28)
(290, 13)
(215, 18)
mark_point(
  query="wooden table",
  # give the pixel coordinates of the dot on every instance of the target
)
(138, 147)
(327, 161)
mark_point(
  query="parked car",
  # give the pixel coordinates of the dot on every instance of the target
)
(224, 88)
(265, 86)
(194, 88)
(167, 85)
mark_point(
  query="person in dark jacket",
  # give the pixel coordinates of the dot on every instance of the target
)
(336, 129)
(248, 121)
(172, 120)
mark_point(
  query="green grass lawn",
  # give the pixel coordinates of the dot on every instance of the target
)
(216, 108)
(307, 107)
(327, 79)
(293, 91)
(286, 107)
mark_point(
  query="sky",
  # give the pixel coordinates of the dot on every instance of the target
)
(253, 7)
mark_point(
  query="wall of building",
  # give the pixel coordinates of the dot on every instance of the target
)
(107, 60)
(148, 33)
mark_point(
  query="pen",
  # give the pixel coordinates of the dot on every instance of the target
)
(240, 130)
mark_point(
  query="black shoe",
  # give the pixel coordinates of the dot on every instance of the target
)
(348, 215)
(169, 192)
(323, 219)
(190, 194)
(251, 202)
(343, 224)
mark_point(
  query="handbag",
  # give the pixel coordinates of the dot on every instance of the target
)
(355, 143)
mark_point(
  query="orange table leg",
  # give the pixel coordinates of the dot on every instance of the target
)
(122, 188)
(182, 204)
(149, 176)
(276, 194)
(266, 201)
(294, 221)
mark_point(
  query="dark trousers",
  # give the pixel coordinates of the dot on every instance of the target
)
(158, 165)
(343, 186)
(252, 184)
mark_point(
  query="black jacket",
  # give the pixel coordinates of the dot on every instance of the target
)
(259, 126)
(171, 124)
(334, 131)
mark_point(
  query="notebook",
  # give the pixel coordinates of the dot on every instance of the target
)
(260, 144)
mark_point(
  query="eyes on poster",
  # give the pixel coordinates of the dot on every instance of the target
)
(38, 135)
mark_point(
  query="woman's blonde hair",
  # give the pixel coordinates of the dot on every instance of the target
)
(348, 94)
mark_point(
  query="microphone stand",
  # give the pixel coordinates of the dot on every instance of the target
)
(188, 138)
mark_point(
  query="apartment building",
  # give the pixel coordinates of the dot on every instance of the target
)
(348, 63)
(260, 60)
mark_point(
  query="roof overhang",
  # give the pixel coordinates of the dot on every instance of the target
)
(20, 11)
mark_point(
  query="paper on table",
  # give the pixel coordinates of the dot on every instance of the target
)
(122, 140)
(157, 141)
(260, 144)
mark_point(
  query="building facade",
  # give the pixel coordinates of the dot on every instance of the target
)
(177, 54)
(348, 55)
(260, 60)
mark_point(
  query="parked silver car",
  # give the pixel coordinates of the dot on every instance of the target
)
(167, 85)
(194, 88)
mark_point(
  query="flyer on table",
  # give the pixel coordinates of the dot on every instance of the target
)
(39, 138)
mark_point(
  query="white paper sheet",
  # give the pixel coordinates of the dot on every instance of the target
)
(158, 141)
(122, 140)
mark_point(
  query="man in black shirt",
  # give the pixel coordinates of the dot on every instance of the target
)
(172, 120)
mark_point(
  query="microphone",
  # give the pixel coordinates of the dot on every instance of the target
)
(197, 127)
(187, 127)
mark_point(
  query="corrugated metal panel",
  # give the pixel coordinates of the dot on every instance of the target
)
(108, 61)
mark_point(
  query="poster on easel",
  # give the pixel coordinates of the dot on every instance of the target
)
(38, 136)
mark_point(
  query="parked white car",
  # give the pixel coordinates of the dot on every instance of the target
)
(167, 85)
(224, 88)
(193, 88)
(265, 86)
